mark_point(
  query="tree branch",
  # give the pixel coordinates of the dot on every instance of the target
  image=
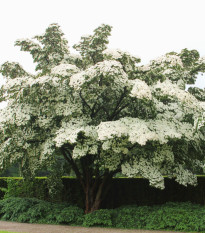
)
(69, 159)
(119, 110)
(84, 101)
(118, 104)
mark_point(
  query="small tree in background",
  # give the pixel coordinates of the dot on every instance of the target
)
(102, 113)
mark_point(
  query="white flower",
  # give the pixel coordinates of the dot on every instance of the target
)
(64, 70)
(140, 89)
(142, 167)
(172, 90)
(168, 59)
(106, 68)
(112, 53)
(77, 80)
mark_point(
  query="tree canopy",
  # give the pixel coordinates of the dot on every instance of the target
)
(103, 112)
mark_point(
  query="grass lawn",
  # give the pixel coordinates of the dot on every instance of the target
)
(8, 232)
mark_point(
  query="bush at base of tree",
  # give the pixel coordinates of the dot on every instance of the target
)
(99, 218)
(32, 210)
(183, 216)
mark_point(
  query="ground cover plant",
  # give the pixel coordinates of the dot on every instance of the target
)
(99, 112)
(185, 216)
(33, 210)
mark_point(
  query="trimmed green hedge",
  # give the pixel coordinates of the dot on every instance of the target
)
(37, 188)
(12, 187)
(124, 191)
(184, 217)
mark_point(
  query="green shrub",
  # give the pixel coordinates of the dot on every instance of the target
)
(184, 217)
(133, 217)
(39, 211)
(33, 210)
(100, 218)
(177, 216)
(71, 215)
(170, 216)
(15, 209)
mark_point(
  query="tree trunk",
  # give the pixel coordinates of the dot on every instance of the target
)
(92, 200)
(94, 195)
(95, 189)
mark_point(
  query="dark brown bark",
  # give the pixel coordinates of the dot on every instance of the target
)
(95, 186)
(94, 197)
(96, 194)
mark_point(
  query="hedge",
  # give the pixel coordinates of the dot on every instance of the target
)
(124, 191)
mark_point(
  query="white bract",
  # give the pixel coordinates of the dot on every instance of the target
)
(64, 70)
(140, 89)
(167, 88)
(102, 112)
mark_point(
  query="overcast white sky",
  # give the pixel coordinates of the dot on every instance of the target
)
(147, 28)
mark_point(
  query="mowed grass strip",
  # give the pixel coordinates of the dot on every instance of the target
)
(8, 232)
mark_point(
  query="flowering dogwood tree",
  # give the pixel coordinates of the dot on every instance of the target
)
(102, 112)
